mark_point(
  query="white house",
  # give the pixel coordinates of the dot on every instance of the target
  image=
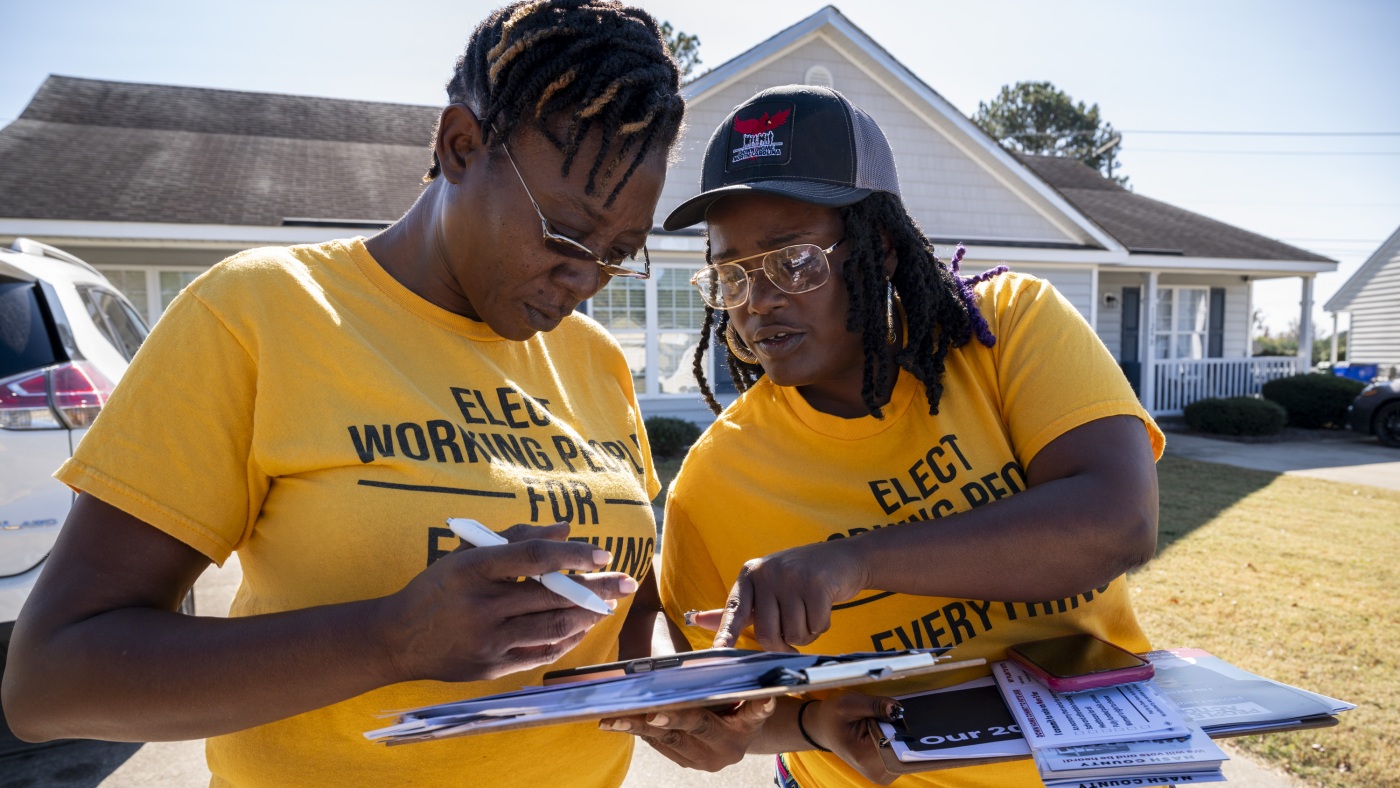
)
(153, 184)
(1372, 296)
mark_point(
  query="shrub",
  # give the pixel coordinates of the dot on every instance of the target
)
(670, 437)
(1313, 400)
(1236, 416)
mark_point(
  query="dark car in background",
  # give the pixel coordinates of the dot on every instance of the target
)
(1376, 411)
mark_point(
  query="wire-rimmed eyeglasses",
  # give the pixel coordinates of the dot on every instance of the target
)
(795, 269)
(568, 247)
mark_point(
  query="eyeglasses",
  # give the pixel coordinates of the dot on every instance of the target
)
(793, 269)
(568, 247)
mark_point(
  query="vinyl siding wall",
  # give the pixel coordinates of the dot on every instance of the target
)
(1375, 319)
(947, 192)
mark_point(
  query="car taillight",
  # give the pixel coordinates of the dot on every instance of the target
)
(63, 396)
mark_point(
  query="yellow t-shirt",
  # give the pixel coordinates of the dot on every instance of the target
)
(772, 473)
(300, 406)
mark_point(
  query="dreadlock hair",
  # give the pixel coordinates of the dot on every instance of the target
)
(940, 306)
(574, 65)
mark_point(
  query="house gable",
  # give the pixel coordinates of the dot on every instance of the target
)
(957, 182)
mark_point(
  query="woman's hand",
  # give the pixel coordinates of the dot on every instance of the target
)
(841, 723)
(469, 617)
(699, 738)
(788, 595)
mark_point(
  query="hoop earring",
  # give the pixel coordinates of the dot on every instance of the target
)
(893, 307)
(737, 348)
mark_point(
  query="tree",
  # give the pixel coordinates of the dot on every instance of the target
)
(685, 48)
(1040, 119)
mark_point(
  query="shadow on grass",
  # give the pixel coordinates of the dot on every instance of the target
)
(1193, 493)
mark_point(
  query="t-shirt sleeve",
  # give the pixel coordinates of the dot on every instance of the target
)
(173, 445)
(688, 577)
(1054, 373)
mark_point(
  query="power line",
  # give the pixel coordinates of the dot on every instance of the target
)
(1272, 133)
(1268, 152)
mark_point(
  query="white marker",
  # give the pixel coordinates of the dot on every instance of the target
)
(478, 535)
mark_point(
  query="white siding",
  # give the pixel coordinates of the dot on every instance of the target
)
(1110, 326)
(1073, 283)
(951, 195)
(1375, 318)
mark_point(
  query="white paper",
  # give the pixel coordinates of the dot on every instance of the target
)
(1126, 712)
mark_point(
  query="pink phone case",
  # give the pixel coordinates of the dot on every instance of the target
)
(1087, 681)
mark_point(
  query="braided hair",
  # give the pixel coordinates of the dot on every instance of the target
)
(575, 66)
(939, 304)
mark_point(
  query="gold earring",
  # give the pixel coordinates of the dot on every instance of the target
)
(894, 309)
(889, 312)
(737, 348)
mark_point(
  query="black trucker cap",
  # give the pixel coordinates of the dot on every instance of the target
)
(800, 141)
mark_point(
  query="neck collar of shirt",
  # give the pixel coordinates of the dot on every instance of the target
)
(905, 389)
(450, 321)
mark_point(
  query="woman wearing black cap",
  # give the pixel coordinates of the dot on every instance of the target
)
(916, 459)
(320, 410)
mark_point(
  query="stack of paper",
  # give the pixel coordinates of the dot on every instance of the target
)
(1224, 699)
(1193, 758)
(1155, 732)
(972, 721)
(1124, 712)
(964, 721)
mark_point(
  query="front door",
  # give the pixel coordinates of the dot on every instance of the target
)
(1130, 345)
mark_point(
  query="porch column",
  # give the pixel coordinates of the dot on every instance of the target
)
(1149, 343)
(1305, 327)
(1334, 339)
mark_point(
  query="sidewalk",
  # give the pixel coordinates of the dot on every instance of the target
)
(1348, 458)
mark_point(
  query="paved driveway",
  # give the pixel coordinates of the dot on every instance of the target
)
(1347, 457)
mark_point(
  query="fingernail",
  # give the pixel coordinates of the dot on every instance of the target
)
(602, 557)
(896, 713)
(612, 603)
(627, 585)
(616, 725)
(658, 719)
(690, 617)
(767, 707)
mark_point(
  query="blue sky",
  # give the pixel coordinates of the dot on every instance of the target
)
(1186, 65)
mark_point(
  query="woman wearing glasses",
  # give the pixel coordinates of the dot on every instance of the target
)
(321, 410)
(916, 460)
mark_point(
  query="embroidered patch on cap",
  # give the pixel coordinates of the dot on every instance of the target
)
(761, 134)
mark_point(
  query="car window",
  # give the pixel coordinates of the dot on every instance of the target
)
(24, 339)
(115, 318)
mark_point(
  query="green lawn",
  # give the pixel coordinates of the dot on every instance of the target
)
(1295, 579)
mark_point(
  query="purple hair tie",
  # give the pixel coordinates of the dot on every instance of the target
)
(969, 298)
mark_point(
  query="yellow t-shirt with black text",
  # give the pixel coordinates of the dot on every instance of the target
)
(301, 407)
(773, 473)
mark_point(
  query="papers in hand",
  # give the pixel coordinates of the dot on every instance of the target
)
(964, 721)
(700, 683)
(1124, 712)
(1224, 699)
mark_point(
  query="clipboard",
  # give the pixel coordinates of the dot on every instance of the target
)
(763, 675)
(895, 766)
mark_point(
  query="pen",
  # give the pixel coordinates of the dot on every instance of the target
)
(478, 535)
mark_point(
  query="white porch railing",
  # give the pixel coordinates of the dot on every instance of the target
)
(1179, 383)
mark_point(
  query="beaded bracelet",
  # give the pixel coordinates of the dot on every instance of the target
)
(803, 730)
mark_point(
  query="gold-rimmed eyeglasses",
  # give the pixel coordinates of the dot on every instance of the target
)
(795, 269)
(568, 247)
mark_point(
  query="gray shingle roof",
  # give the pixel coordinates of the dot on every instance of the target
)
(1145, 225)
(111, 151)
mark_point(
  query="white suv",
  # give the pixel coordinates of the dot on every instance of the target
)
(66, 337)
